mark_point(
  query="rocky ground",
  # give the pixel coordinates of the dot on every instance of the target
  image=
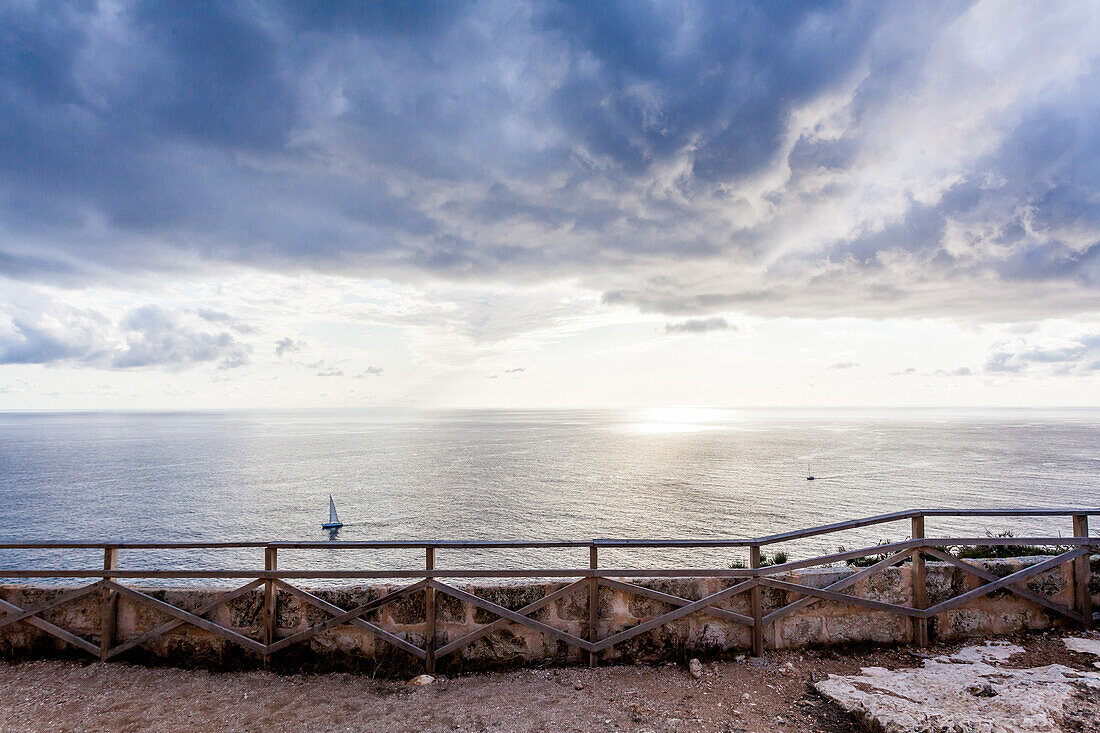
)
(774, 693)
(991, 687)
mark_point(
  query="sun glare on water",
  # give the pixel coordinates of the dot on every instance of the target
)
(655, 420)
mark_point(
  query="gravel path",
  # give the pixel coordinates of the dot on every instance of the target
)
(769, 694)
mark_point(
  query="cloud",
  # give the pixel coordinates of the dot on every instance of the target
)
(149, 336)
(1079, 356)
(330, 372)
(844, 365)
(371, 371)
(836, 158)
(213, 316)
(699, 325)
(959, 372)
(515, 370)
(287, 345)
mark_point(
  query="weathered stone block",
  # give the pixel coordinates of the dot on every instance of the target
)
(796, 631)
(874, 626)
(512, 597)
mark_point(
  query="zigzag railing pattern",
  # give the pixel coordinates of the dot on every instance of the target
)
(1074, 550)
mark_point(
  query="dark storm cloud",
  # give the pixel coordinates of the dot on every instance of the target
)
(647, 80)
(681, 158)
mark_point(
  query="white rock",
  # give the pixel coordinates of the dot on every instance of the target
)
(1085, 646)
(936, 696)
(696, 668)
(421, 680)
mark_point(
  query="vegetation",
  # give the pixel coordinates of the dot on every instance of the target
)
(977, 553)
(974, 552)
(777, 558)
(983, 552)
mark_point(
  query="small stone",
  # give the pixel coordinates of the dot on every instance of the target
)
(696, 668)
(739, 658)
(578, 685)
(985, 690)
(420, 680)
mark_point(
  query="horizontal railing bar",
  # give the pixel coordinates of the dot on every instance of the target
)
(471, 544)
(564, 572)
(838, 557)
(535, 545)
(1009, 541)
(1039, 512)
(836, 527)
(424, 544)
(601, 542)
(128, 545)
(630, 543)
(284, 574)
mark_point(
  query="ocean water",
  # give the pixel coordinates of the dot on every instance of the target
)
(664, 473)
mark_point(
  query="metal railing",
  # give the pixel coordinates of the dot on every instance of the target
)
(1074, 549)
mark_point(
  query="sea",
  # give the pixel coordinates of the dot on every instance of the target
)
(662, 473)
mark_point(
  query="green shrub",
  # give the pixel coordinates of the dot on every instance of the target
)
(982, 552)
(969, 552)
(777, 558)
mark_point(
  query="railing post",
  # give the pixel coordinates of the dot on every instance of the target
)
(593, 605)
(1082, 572)
(757, 607)
(270, 612)
(108, 607)
(429, 615)
(919, 581)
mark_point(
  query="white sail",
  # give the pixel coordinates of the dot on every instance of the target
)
(332, 518)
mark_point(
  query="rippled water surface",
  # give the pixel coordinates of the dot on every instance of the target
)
(667, 473)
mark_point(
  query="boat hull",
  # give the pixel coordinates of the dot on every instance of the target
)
(337, 525)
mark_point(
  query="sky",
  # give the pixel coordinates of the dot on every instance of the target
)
(549, 204)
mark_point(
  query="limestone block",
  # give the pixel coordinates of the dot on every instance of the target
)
(574, 607)
(796, 631)
(865, 625)
(512, 597)
(944, 582)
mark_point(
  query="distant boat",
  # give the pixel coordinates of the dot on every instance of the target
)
(809, 478)
(333, 520)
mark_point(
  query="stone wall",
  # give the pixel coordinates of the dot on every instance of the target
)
(349, 648)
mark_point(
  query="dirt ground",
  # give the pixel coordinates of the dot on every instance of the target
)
(767, 694)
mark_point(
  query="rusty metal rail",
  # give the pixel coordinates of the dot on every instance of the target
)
(1075, 549)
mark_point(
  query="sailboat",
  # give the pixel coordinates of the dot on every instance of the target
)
(333, 520)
